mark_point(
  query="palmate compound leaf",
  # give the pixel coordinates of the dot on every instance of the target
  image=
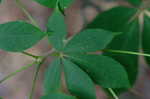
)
(56, 24)
(120, 19)
(146, 37)
(53, 3)
(57, 96)
(105, 71)
(78, 82)
(52, 79)
(18, 36)
(89, 40)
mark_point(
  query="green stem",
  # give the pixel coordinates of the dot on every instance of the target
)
(21, 6)
(35, 78)
(31, 55)
(19, 70)
(113, 93)
(127, 52)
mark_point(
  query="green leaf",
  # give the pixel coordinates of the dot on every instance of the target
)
(89, 40)
(57, 96)
(113, 19)
(65, 3)
(78, 81)
(53, 3)
(56, 24)
(135, 2)
(47, 3)
(121, 19)
(18, 36)
(105, 71)
(52, 80)
(129, 42)
(146, 37)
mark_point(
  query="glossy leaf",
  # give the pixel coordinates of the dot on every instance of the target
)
(56, 24)
(146, 37)
(57, 96)
(78, 81)
(18, 36)
(127, 41)
(89, 41)
(135, 2)
(105, 71)
(52, 80)
(113, 19)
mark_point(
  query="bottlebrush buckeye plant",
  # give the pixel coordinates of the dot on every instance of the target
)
(118, 33)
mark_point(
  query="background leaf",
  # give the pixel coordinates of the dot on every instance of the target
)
(57, 96)
(52, 80)
(114, 19)
(78, 81)
(56, 24)
(146, 37)
(135, 2)
(105, 71)
(65, 3)
(89, 41)
(53, 3)
(121, 19)
(48, 3)
(128, 41)
(18, 36)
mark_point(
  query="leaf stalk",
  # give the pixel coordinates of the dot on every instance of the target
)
(22, 7)
(126, 52)
(113, 93)
(35, 78)
(17, 71)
